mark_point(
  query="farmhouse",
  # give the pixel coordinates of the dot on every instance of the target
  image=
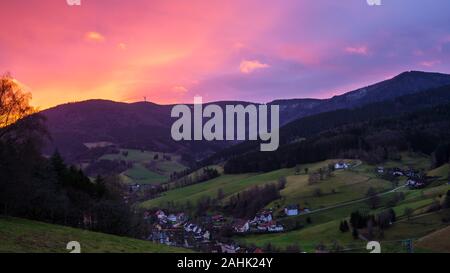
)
(225, 248)
(160, 215)
(262, 217)
(275, 228)
(341, 165)
(415, 184)
(270, 227)
(241, 226)
(397, 172)
(172, 218)
(134, 188)
(291, 210)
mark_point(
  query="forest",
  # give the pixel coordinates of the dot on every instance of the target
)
(425, 131)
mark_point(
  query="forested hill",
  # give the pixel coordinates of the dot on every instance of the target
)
(146, 125)
(310, 126)
(374, 140)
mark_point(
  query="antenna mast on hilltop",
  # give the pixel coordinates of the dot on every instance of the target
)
(145, 99)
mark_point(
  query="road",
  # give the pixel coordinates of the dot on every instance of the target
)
(354, 201)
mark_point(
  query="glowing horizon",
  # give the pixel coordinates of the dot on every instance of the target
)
(170, 51)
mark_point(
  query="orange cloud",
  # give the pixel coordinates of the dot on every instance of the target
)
(179, 89)
(94, 36)
(247, 67)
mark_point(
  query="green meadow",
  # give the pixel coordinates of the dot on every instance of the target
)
(146, 169)
(26, 236)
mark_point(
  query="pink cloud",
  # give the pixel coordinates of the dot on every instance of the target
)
(357, 50)
(152, 48)
(248, 67)
(430, 63)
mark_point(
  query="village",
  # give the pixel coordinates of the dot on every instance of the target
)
(415, 179)
(205, 233)
(214, 233)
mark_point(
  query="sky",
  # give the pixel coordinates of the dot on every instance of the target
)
(168, 51)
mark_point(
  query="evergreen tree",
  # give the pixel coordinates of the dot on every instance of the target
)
(355, 233)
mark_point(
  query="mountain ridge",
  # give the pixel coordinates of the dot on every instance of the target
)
(146, 125)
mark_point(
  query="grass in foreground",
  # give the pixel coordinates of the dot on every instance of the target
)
(26, 236)
(438, 241)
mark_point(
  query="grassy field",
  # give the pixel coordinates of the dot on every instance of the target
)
(230, 184)
(233, 184)
(438, 241)
(323, 226)
(142, 175)
(25, 236)
(324, 230)
(343, 186)
(340, 194)
(145, 168)
(441, 172)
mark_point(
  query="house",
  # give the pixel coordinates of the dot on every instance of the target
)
(196, 229)
(188, 227)
(206, 235)
(134, 188)
(415, 184)
(217, 218)
(257, 250)
(397, 172)
(262, 217)
(160, 237)
(231, 248)
(270, 227)
(160, 215)
(291, 210)
(263, 226)
(341, 165)
(275, 228)
(411, 173)
(181, 217)
(172, 218)
(241, 226)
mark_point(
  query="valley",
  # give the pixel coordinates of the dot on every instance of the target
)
(350, 169)
(324, 204)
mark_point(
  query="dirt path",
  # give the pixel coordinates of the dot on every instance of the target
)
(353, 202)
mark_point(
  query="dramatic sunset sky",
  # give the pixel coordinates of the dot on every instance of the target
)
(171, 50)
